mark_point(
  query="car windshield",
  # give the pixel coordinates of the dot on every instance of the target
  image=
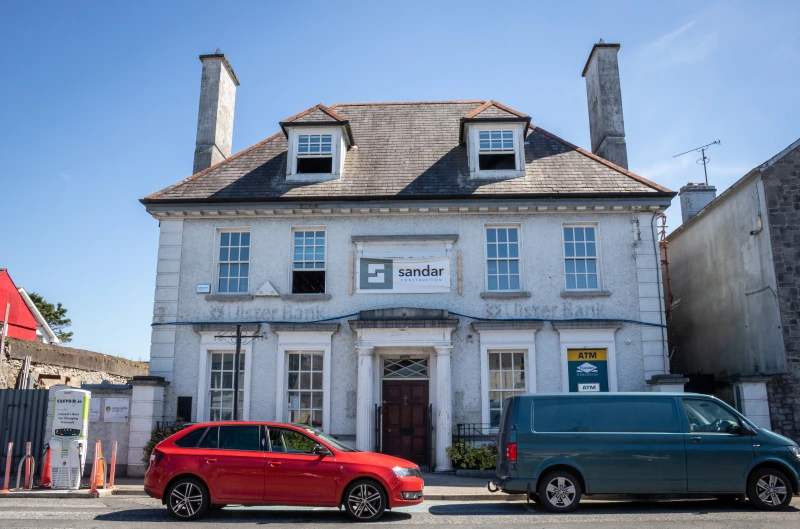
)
(330, 440)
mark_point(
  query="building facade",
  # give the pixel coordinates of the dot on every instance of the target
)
(398, 269)
(733, 275)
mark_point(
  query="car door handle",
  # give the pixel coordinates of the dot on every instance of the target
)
(209, 460)
(274, 463)
(695, 439)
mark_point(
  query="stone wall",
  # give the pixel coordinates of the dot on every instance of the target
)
(782, 188)
(72, 366)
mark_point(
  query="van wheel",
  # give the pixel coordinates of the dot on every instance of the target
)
(769, 490)
(559, 491)
(188, 499)
(364, 500)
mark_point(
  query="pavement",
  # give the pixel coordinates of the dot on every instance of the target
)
(441, 487)
(137, 512)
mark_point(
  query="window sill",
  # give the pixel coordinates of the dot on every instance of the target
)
(306, 297)
(312, 177)
(493, 175)
(505, 295)
(229, 297)
(585, 293)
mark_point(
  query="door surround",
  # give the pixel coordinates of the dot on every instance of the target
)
(377, 335)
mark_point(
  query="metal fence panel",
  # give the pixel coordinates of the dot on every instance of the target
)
(23, 415)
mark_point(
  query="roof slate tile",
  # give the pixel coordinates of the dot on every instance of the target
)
(404, 151)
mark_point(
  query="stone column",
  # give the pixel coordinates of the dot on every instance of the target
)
(444, 411)
(667, 383)
(750, 393)
(365, 410)
(147, 409)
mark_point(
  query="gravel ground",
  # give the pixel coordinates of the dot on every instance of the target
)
(139, 512)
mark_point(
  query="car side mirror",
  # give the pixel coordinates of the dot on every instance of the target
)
(320, 450)
(735, 429)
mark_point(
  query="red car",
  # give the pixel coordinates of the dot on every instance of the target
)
(210, 465)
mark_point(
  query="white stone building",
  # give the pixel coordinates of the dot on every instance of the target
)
(406, 267)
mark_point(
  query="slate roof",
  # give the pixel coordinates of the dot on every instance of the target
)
(409, 151)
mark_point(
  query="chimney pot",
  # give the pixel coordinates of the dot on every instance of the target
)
(604, 97)
(218, 84)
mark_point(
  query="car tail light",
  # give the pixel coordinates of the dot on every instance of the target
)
(156, 457)
(511, 451)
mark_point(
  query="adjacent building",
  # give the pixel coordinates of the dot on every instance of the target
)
(24, 321)
(734, 279)
(398, 269)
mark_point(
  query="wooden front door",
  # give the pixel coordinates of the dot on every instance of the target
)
(405, 419)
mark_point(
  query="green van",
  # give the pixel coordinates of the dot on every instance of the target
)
(556, 448)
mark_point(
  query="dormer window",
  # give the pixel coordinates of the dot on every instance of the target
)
(314, 153)
(495, 139)
(318, 142)
(496, 150)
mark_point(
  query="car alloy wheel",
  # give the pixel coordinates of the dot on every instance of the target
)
(365, 501)
(769, 489)
(559, 491)
(187, 500)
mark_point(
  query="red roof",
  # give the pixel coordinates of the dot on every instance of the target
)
(22, 323)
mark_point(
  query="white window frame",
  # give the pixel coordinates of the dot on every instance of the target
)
(473, 150)
(598, 259)
(338, 150)
(291, 259)
(486, 257)
(299, 372)
(302, 342)
(217, 243)
(506, 341)
(208, 345)
(589, 339)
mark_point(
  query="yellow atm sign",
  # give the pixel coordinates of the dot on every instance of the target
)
(576, 355)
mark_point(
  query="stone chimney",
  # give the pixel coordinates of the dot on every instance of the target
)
(695, 197)
(604, 95)
(215, 118)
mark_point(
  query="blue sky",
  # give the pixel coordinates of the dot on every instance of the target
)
(100, 106)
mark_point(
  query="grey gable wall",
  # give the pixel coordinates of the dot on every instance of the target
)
(782, 187)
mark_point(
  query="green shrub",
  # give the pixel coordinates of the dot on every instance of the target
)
(158, 434)
(472, 457)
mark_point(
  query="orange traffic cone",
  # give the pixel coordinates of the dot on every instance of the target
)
(100, 479)
(46, 481)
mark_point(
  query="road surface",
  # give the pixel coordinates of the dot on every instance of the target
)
(129, 512)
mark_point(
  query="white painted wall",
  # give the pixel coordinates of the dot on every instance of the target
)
(188, 250)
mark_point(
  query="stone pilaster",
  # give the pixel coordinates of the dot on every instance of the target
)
(651, 298)
(365, 409)
(147, 409)
(444, 408)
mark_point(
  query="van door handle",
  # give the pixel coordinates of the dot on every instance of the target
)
(696, 439)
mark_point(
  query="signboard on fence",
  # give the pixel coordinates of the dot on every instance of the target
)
(588, 370)
(116, 409)
(94, 409)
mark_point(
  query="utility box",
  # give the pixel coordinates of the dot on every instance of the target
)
(69, 438)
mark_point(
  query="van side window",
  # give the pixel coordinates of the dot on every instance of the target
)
(606, 415)
(709, 417)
